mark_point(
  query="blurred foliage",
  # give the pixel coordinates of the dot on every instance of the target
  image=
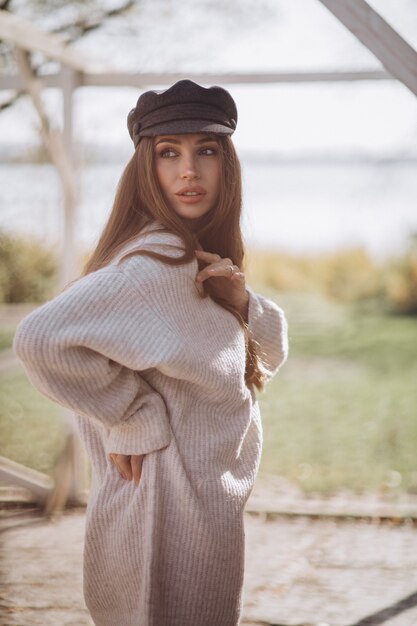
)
(28, 269)
(400, 284)
(345, 276)
(341, 413)
(28, 273)
(6, 338)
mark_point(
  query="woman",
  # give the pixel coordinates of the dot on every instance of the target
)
(162, 378)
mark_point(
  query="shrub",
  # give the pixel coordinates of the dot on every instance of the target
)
(28, 269)
(346, 275)
(349, 275)
(400, 284)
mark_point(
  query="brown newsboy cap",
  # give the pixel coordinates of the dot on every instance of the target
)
(185, 107)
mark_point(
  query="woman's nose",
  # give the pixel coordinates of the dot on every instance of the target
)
(189, 169)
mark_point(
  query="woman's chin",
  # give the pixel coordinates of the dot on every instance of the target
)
(195, 222)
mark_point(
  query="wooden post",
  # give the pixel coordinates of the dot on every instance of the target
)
(68, 265)
(113, 78)
(70, 80)
(40, 485)
(395, 54)
(53, 140)
(72, 483)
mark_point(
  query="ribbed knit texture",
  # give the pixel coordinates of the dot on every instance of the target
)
(149, 367)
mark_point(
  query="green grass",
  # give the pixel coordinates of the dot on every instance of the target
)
(341, 413)
(31, 431)
(6, 338)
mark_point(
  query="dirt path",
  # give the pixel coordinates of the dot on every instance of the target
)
(299, 571)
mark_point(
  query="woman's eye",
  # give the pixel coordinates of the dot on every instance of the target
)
(166, 154)
(209, 151)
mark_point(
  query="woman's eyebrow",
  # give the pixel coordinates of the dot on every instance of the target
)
(172, 140)
(167, 139)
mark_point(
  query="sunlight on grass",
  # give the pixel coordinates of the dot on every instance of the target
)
(31, 431)
(340, 414)
(6, 338)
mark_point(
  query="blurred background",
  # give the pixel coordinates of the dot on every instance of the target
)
(330, 219)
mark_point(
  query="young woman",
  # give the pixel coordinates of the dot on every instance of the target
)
(158, 348)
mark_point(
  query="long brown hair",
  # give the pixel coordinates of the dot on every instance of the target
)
(139, 200)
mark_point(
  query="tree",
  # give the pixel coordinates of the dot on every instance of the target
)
(73, 20)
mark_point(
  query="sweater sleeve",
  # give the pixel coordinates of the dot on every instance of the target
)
(268, 326)
(85, 349)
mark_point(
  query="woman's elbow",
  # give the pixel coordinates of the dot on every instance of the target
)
(30, 338)
(282, 337)
(281, 353)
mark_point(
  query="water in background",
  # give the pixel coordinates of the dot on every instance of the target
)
(298, 207)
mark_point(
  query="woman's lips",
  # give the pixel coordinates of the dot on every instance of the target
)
(191, 199)
(191, 195)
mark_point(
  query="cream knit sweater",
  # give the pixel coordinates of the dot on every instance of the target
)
(149, 367)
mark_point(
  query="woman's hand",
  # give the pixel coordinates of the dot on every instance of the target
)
(128, 465)
(230, 281)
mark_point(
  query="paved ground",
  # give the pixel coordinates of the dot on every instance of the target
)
(299, 571)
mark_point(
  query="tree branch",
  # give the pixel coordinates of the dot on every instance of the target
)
(79, 28)
(5, 5)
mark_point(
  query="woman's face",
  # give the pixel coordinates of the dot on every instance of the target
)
(188, 170)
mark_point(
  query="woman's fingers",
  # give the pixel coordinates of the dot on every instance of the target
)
(224, 268)
(128, 465)
(123, 462)
(136, 464)
(113, 458)
(217, 267)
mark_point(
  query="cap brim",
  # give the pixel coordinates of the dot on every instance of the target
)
(178, 127)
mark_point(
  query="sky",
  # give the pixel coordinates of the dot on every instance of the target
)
(372, 117)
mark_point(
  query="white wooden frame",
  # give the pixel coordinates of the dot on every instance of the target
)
(396, 55)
